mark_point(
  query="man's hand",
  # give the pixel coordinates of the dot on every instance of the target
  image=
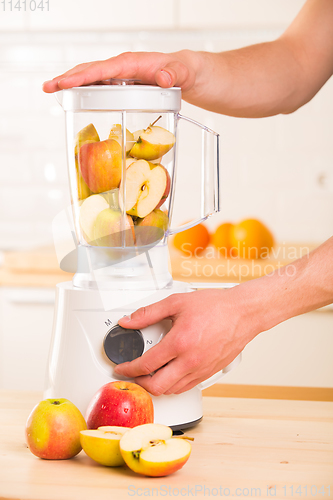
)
(153, 68)
(207, 334)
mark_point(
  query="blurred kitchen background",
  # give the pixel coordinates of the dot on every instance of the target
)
(279, 170)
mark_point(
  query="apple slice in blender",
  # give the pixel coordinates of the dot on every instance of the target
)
(102, 444)
(116, 134)
(152, 228)
(88, 133)
(152, 143)
(150, 449)
(146, 185)
(108, 230)
(89, 210)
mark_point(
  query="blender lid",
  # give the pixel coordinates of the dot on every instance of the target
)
(121, 96)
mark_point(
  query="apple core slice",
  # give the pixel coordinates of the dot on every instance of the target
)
(151, 450)
(146, 183)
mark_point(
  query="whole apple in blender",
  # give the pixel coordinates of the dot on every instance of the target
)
(147, 186)
(116, 134)
(108, 229)
(120, 403)
(102, 444)
(53, 429)
(100, 165)
(151, 228)
(152, 143)
(152, 451)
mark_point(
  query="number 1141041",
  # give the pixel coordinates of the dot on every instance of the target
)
(24, 5)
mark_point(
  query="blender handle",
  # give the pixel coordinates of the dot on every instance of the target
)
(215, 378)
(216, 187)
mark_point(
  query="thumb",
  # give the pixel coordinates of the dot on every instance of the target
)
(149, 315)
(174, 74)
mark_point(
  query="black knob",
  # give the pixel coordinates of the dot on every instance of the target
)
(122, 344)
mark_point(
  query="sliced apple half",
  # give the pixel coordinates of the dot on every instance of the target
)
(102, 444)
(116, 134)
(152, 228)
(146, 185)
(88, 133)
(151, 450)
(152, 143)
(89, 211)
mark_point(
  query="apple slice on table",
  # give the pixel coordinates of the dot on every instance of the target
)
(116, 134)
(108, 230)
(151, 450)
(147, 186)
(100, 165)
(151, 228)
(152, 143)
(102, 444)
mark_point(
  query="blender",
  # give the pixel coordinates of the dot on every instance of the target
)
(122, 143)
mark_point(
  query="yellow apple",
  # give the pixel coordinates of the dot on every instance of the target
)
(102, 444)
(53, 429)
(152, 143)
(89, 211)
(151, 450)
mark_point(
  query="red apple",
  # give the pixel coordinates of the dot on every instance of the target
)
(100, 165)
(120, 403)
(53, 429)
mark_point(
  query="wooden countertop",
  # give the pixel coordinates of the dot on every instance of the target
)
(282, 447)
(40, 268)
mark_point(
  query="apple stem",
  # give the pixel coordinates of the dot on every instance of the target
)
(152, 124)
(184, 437)
(56, 403)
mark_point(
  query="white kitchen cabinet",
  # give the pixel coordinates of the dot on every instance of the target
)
(25, 333)
(297, 352)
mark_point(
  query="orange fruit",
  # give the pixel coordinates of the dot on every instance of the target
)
(251, 239)
(221, 239)
(192, 241)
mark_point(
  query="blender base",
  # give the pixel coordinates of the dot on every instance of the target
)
(78, 365)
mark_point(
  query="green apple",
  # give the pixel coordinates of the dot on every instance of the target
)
(116, 134)
(53, 429)
(151, 228)
(146, 186)
(110, 230)
(100, 165)
(152, 143)
(151, 450)
(102, 444)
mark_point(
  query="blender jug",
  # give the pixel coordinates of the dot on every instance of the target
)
(122, 150)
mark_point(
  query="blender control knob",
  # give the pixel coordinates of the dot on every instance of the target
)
(122, 344)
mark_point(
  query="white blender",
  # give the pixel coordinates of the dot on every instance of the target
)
(121, 146)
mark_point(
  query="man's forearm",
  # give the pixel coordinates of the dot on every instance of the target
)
(299, 287)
